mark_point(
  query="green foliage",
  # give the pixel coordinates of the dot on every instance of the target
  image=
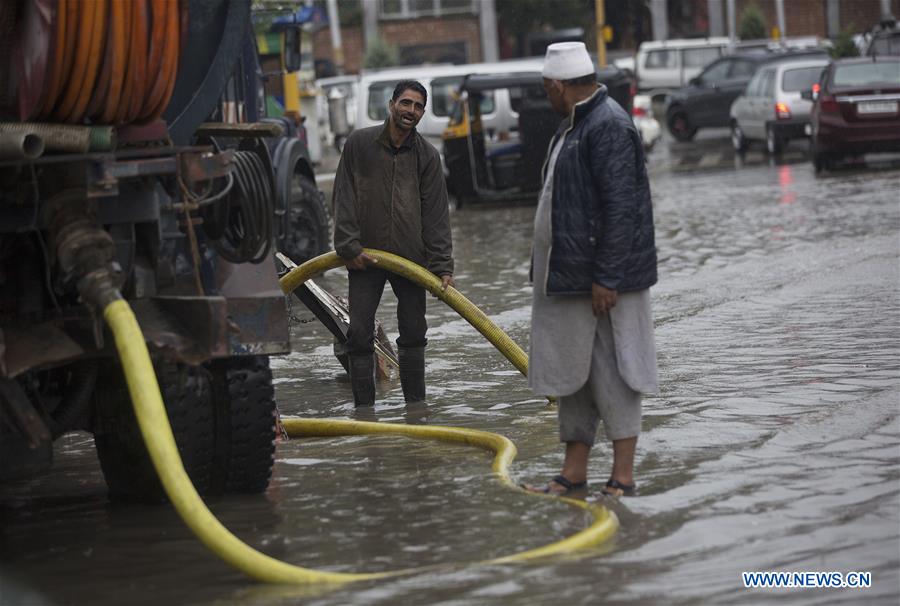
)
(753, 24)
(843, 45)
(380, 54)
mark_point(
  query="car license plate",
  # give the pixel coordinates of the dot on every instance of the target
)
(877, 107)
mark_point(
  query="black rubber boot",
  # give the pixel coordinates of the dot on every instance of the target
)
(362, 379)
(412, 372)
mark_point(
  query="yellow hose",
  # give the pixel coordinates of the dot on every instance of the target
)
(421, 276)
(157, 433)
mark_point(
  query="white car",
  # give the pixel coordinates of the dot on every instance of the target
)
(663, 66)
(646, 124)
(771, 108)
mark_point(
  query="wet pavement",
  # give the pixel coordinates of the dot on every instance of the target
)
(773, 445)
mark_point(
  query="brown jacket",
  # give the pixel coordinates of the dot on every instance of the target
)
(392, 200)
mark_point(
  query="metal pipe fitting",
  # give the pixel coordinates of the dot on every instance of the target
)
(65, 137)
(20, 146)
(84, 251)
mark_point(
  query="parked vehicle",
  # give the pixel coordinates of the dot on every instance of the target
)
(856, 109)
(176, 217)
(884, 39)
(771, 108)
(441, 82)
(485, 168)
(647, 125)
(794, 43)
(706, 101)
(664, 66)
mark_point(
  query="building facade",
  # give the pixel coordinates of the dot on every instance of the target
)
(823, 18)
(422, 31)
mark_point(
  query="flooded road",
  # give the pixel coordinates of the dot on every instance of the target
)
(773, 445)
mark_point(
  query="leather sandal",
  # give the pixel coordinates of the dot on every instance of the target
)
(614, 488)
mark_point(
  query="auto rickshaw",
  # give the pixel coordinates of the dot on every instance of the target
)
(503, 162)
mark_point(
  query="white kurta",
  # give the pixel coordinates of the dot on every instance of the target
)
(563, 327)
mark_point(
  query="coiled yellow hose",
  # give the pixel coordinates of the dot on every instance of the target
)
(157, 433)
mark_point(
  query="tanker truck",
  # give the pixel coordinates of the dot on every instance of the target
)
(136, 161)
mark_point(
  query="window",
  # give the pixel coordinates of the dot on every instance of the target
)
(458, 6)
(410, 9)
(391, 7)
(660, 58)
(867, 74)
(754, 89)
(768, 84)
(379, 95)
(700, 57)
(716, 72)
(794, 80)
(443, 94)
(742, 69)
(421, 6)
(487, 105)
(889, 45)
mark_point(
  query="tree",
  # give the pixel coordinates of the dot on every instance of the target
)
(753, 24)
(843, 45)
(380, 54)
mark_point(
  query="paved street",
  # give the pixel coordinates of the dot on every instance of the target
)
(773, 444)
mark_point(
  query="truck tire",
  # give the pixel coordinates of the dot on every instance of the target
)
(245, 424)
(308, 234)
(129, 473)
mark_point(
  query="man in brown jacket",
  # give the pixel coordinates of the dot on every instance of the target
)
(389, 194)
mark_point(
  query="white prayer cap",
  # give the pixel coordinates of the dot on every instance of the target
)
(567, 60)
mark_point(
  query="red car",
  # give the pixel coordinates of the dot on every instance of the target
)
(856, 109)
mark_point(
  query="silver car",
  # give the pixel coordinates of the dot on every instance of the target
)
(771, 108)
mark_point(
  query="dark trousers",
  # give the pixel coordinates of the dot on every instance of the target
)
(366, 288)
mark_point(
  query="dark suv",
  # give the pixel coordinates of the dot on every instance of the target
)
(706, 101)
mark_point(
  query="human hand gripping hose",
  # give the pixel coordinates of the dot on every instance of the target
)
(160, 442)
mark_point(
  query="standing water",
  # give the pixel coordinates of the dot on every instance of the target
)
(774, 444)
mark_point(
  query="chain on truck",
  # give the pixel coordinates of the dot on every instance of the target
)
(136, 156)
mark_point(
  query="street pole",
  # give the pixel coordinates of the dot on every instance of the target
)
(660, 17)
(334, 23)
(601, 41)
(779, 9)
(833, 17)
(370, 23)
(716, 22)
(490, 47)
(732, 20)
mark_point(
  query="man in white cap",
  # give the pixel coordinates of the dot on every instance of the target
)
(593, 262)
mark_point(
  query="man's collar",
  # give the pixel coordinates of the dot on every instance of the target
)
(385, 137)
(580, 109)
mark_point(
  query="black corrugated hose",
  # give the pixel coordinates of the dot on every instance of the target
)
(247, 237)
